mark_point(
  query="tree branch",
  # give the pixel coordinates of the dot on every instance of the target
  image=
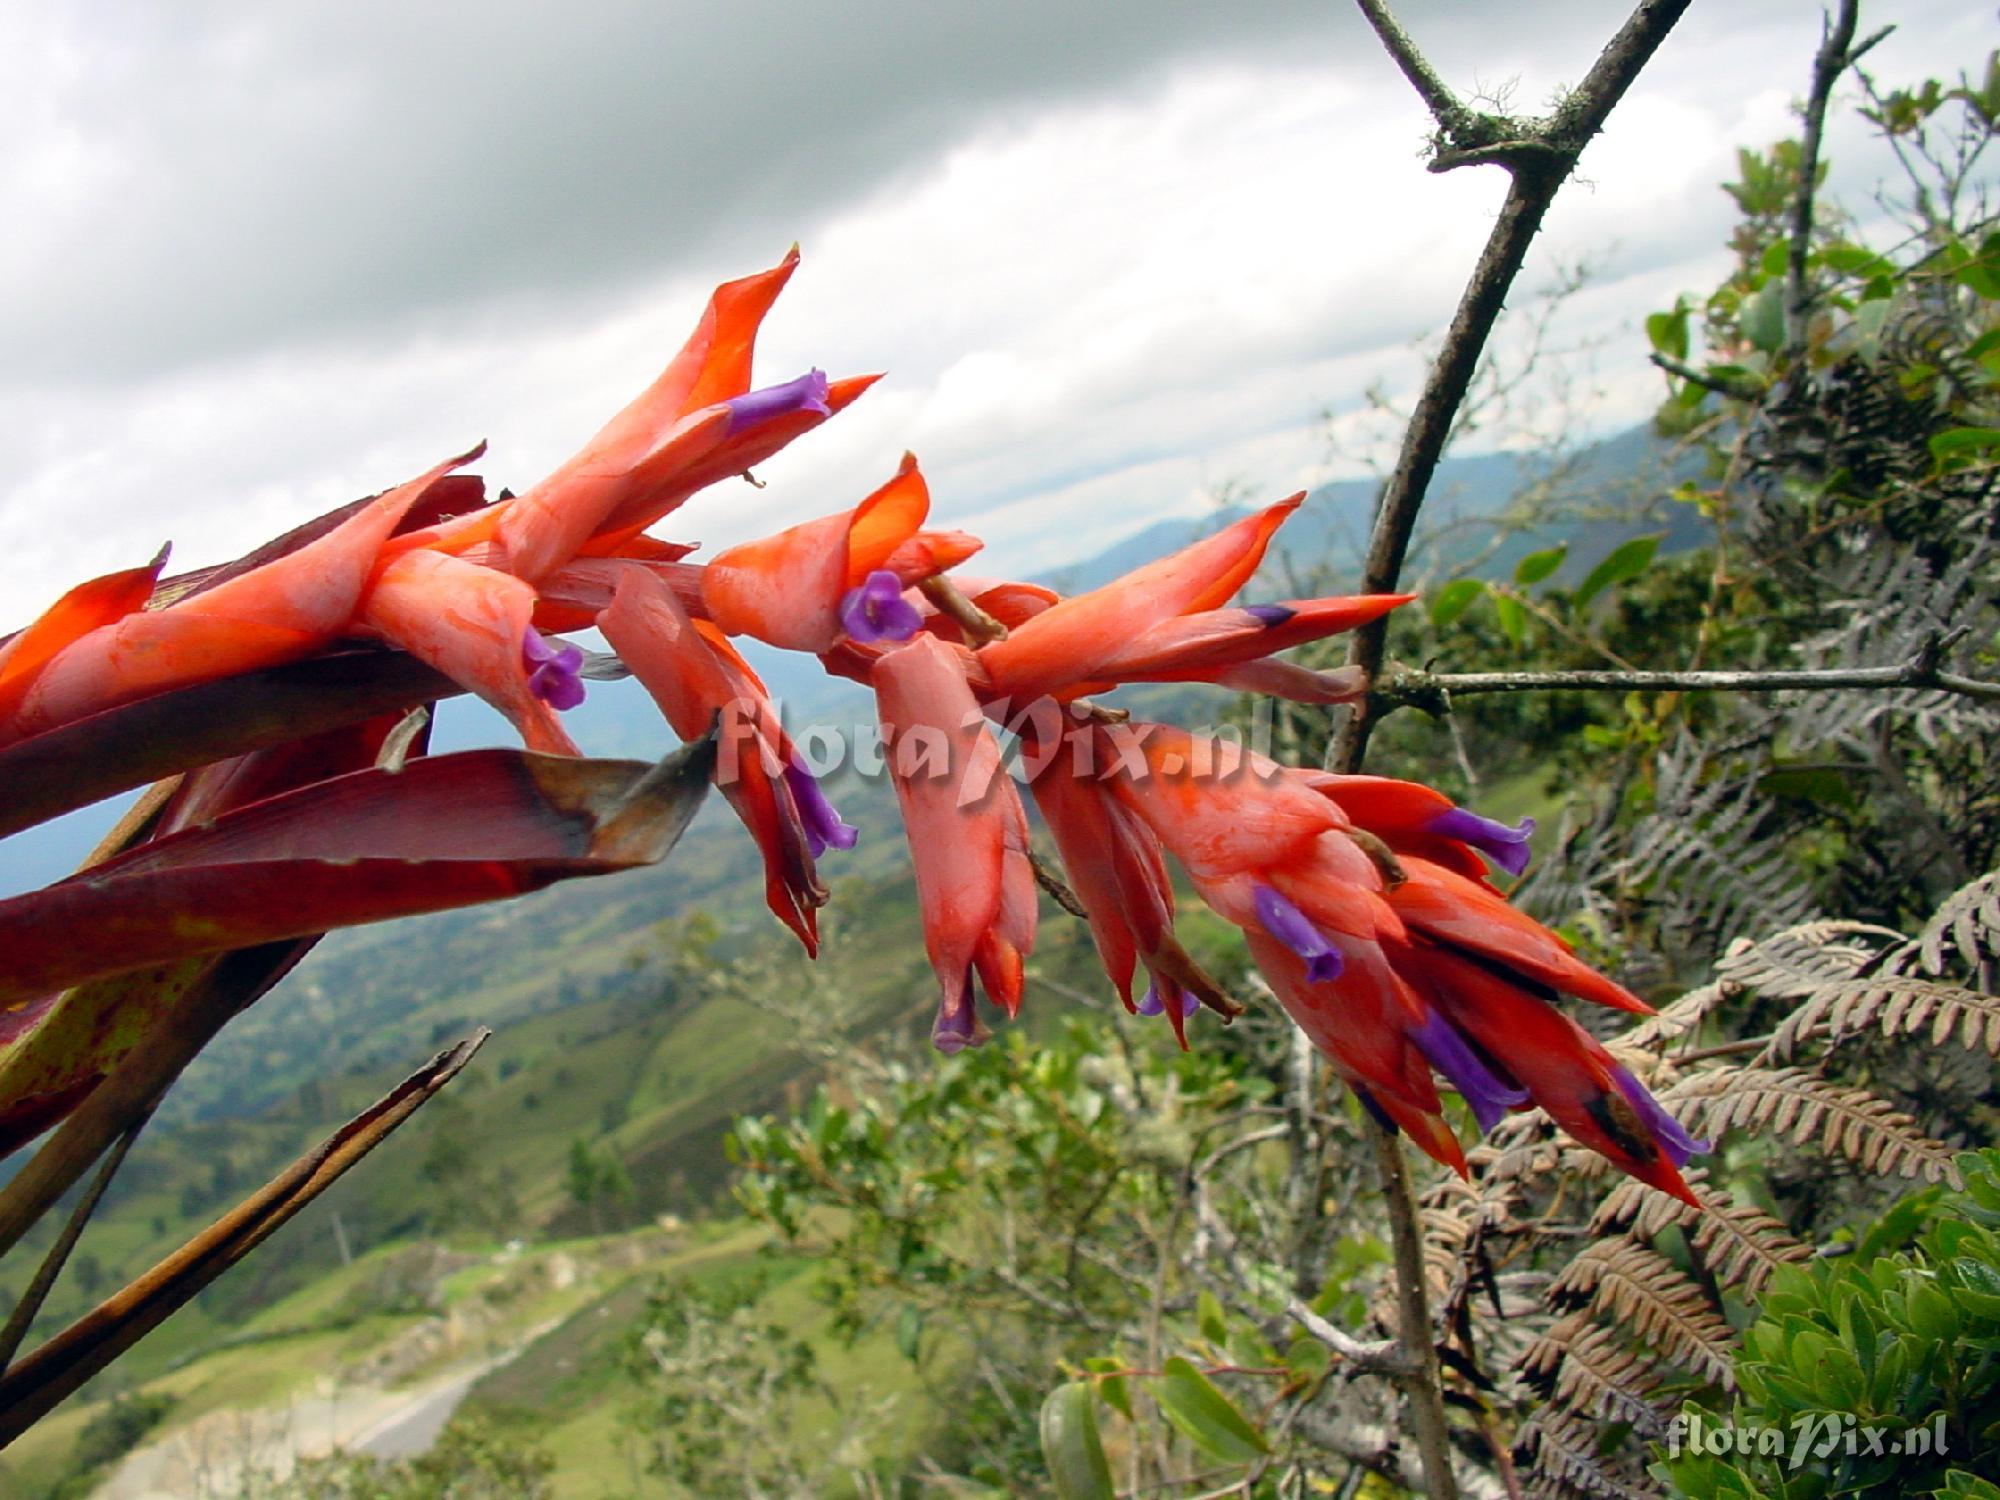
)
(1443, 104)
(1735, 390)
(1836, 37)
(1376, 1356)
(1529, 195)
(1433, 691)
(1536, 177)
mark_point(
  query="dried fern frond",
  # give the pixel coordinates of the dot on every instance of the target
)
(1896, 1005)
(1583, 1367)
(1966, 926)
(1740, 1243)
(1683, 1017)
(1565, 1461)
(1813, 1112)
(1801, 961)
(1708, 857)
(1639, 1289)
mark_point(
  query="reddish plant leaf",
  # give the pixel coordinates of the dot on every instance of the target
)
(157, 737)
(56, 1048)
(443, 832)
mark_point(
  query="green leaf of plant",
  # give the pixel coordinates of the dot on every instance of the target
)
(1208, 1418)
(1111, 1387)
(1538, 565)
(1821, 784)
(1856, 261)
(1449, 602)
(909, 1331)
(1626, 562)
(1964, 443)
(1513, 618)
(1668, 332)
(1070, 1445)
(1208, 1316)
(1763, 317)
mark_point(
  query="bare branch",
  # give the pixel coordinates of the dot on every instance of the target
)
(1443, 104)
(1836, 37)
(1735, 390)
(1433, 691)
(1534, 187)
(1537, 176)
(1379, 1356)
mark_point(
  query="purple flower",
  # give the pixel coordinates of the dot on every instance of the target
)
(1504, 846)
(1671, 1135)
(1447, 1051)
(1150, 1003)
(807, 393)
(554, 670)
(1294, 929)
(822, 824)
(877, 610)
(957, 1027)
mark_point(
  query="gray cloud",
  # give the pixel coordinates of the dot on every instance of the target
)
(196, 182)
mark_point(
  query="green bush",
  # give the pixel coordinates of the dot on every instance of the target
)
(1871, 1375)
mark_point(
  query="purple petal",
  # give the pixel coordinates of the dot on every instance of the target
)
(1270, 614)
(1150, 1003)
(1295, 930)
(957, 1027)
(807, 393)
(553, 670)
(823, 827)
(1447, 1051)
(877, 610)
(1672, 1136)
(1504, 846)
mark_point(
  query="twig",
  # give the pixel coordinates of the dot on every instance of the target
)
(1837, 53)
(1537, 175)
(1433, 691)
(1534, 186)
(1735, 390)
(1056, 886)
(1443, 104)
(1377, 1356)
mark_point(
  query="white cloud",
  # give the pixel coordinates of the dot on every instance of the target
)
(1096, 300)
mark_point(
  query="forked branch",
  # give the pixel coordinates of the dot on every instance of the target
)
(1539, 157)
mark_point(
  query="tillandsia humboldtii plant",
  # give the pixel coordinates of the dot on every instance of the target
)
(264, 691)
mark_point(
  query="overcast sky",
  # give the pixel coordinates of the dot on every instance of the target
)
(263, 259)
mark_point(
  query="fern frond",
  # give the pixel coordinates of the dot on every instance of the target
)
(1566, 1462)
(1682, 1017)
(1739, 1242)
(1897, 1005)
(1968, 921)
(1801, 961)
(1811, 1111)
(1583, 1367)
(1633, 1285)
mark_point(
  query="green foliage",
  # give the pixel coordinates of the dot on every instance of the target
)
(723, 1386)
(114, 1430)
(1881, 1372)
(468, 1462)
